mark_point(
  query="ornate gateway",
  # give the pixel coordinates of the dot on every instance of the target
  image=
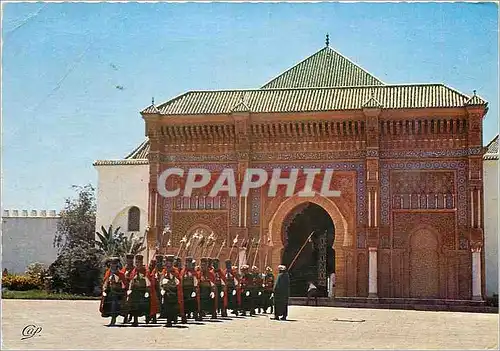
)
(407, 160)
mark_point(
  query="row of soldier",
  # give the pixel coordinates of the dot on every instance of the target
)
(166, 290)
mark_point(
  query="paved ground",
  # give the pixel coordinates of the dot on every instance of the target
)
(78, 325)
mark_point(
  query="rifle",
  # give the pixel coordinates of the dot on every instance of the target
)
(213, 245)
(191, 243)
(256, 252)
(200, 242)
(248, 254)
(186, 251)
(235, 241)
(164, 235)
(183, 241)
(209, 241)
(267, 250)
(223, 243)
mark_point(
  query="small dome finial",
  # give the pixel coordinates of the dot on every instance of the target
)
(474, 92)
(153, 100)
(327, 41)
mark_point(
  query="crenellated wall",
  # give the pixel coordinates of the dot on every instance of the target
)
(27, 237)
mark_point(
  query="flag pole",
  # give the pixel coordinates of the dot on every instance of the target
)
(302, 248)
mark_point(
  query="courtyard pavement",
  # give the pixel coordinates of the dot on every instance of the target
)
(78, 325)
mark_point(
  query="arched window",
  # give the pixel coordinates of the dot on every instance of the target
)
(134, 219)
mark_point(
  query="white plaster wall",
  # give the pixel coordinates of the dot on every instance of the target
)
(26, 240)
(119, 187)
(490, 170)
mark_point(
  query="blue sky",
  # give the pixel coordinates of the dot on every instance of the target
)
(62, 64)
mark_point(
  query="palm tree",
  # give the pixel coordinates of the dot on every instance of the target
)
(110, 241)
(132, 245)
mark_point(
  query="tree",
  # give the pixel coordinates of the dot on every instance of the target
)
(116, 243)
(77, 219)
(133, 245)
(110, 241)
(78, 266)
(77, 269)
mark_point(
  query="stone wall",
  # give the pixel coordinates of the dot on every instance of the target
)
(27, 237)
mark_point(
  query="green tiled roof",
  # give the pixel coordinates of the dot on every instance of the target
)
(121, 162)
(314, 99)
(492, 150)
(140, 152)
(475, 100)
(242, 106)
(151, 109)
(326, 68)
(372, 103)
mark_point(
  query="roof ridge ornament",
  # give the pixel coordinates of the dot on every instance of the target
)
(153, 101)
(327, 41)
(475, 100)
(372, 102)
(242, 106)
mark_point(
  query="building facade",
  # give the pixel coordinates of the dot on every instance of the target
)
(491, 184)
(122, 195)
(28, 237)
(407, 160)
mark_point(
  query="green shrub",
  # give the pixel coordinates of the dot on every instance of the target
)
(21, 282)
(37, 270)
(42, 295)
(492, 300)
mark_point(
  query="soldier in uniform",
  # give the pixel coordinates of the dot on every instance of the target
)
(267, 295)
(171, 292)
(208, 290)
(127, 271)
(178, 264)
(152, 265)
(246, 286)
(155, 278)
(190, 291)
(113, 291)
(258, 289)
(138, 294)
(177, 267)
(232, 288)
(220, 283)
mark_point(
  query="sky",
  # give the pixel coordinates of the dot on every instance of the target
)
(76, 75)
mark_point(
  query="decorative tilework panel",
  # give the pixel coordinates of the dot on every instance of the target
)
(361, 241)
(255, 204)
(198, 158)
(459, 166)
(167, 214)
(433, 153)
(233, 213)
(298, 156)
(217, 167)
